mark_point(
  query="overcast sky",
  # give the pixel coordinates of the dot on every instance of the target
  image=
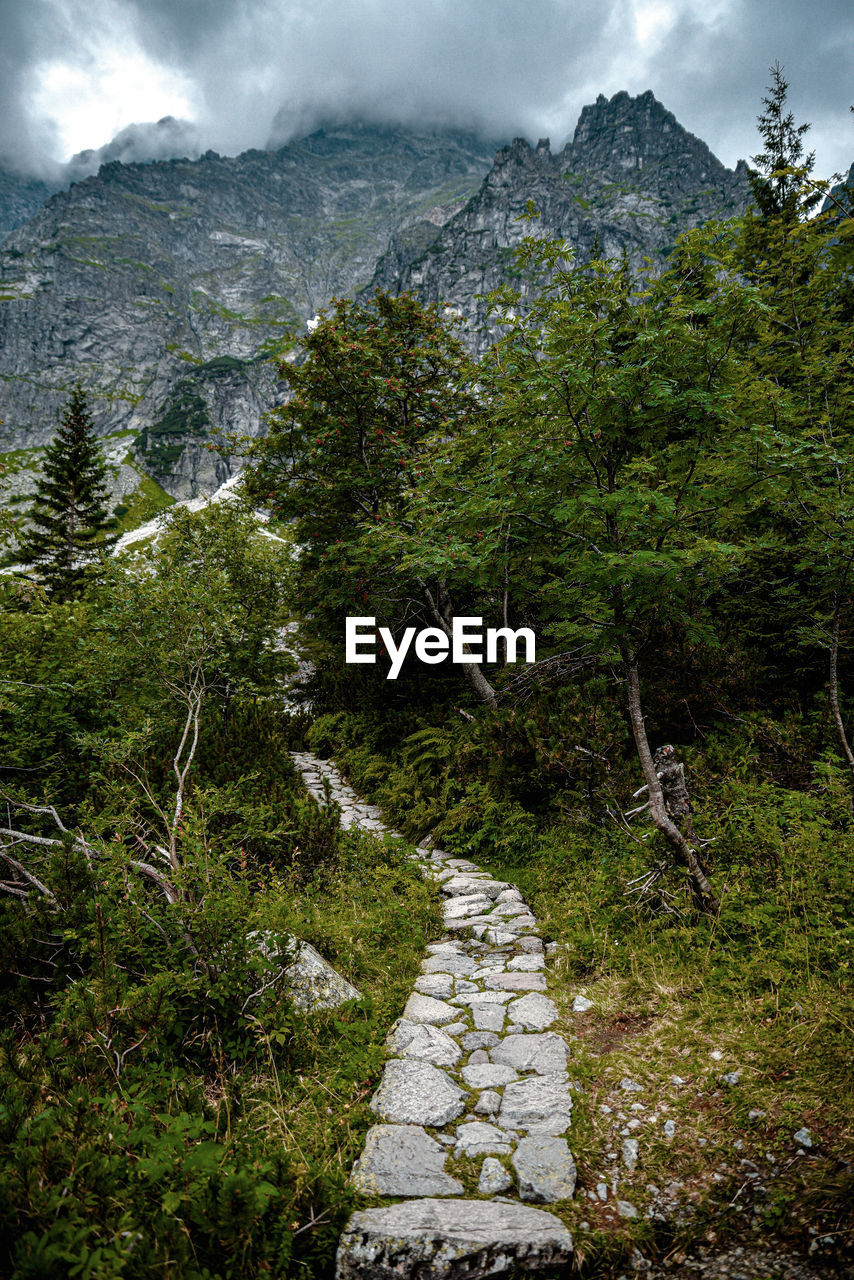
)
(250, 73)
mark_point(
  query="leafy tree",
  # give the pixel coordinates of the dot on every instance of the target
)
(622, 432)
(69, 514)
(343, 457)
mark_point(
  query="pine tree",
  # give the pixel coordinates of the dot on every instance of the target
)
(69, 513)
(778, 181)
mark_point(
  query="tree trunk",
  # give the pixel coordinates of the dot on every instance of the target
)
(703, 893)
(443, 617)
(834, 699)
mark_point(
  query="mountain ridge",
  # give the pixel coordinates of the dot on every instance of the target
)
(166, 286)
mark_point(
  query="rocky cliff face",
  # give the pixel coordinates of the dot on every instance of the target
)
(20, 197)
(166, 286)
(629, 182)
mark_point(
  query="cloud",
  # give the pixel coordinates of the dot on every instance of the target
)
(167, 139)
(259, 72)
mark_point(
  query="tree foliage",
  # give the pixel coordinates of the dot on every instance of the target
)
(69, 514)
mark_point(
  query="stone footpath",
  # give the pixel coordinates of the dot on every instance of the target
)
(476, 1079)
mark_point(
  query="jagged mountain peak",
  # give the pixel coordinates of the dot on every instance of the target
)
(622, 135)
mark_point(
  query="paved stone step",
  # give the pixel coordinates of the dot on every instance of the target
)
(451, 1240)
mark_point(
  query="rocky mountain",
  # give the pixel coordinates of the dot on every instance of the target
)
(630, 180)
(20, 197)
(166, 286)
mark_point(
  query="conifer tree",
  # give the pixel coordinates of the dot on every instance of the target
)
(69, 513)
(778, 182)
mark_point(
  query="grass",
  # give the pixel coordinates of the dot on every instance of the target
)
(675, 1008)
(146, 501)
(226, 1172)
(763, 991)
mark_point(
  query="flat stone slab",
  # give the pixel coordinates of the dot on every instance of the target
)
(534, 1011)
(458, 886)
(517, 982)
(481, 1139)
(413, 1092)
(451, 1240)
(450, 962)
(488, 1075)
(439, 985)
(488, 1017)
(463, 908)
(484, 997)
(423, 1041)
(543, 1053)
(545, 1170)
(527, 964)
(403, 1160)
(427, 1009)
(479, 1040)
(540, 1104)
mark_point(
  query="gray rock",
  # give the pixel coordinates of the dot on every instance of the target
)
(543, 1053)
(626, 1209)
(308, 980)
(730, 1079)
(479, 1055)
(545, 1169)
(494, 1178)
(481, 1139)
(527, 964)
(669, 1128)
(531, 946)
(449, 962)
(440, 985)
(629, 1151)
(480, 1040)
(755, 1115)
(803, 1137)
(602, 1191)
(630, 1086)
(488, 1017)
(483, 997)
(424, 1041)
(413, 1092)
(488, 1104)
(402, 1160)
(498, 937)
(455, 1028)
(538, 1104)
(449, 946)
(457, 924)
(427, 1009)
(488, 1075)
(451, 1240)
(581, 1004)
(534, 1011)
(464, 908)
(517, 982)
(471, 885)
